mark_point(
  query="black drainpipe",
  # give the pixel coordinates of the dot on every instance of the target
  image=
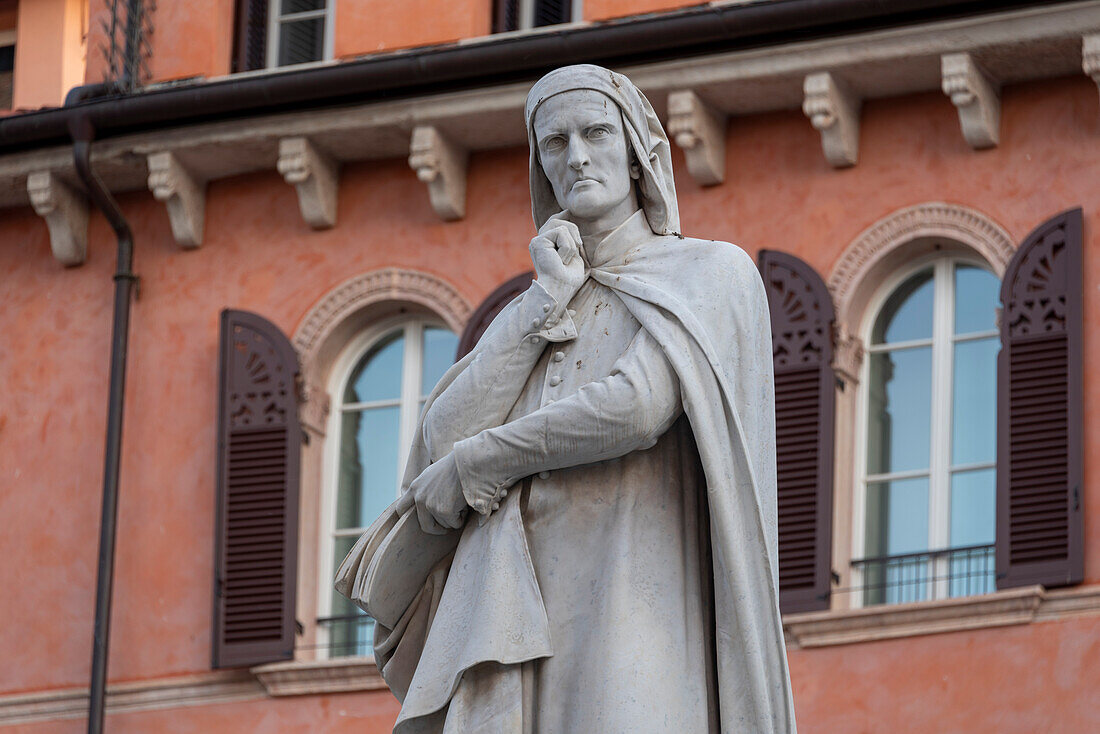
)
(83, 132)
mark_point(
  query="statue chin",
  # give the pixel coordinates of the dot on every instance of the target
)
(591, 206)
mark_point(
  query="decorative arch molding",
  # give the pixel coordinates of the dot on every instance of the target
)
(355, 303)
(906, 233)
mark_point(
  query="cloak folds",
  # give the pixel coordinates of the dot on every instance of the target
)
(704, 303)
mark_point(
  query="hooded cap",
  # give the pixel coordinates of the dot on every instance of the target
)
(644, 132)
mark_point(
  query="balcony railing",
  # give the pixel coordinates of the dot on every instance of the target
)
(937, 574)
(347, 635)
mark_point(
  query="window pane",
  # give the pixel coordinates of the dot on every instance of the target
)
(368, 465)
(973, 508)
(973, 522)
(907, 313)
(299, 6)
(439, 354)
(897, 517)
(896, 524)
(301, 41)
(378, 374)
(354, 635)
(977, 293)
(899, 410)
(974, 411)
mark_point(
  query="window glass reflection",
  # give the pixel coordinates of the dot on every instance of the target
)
(900, 409)
(368, 465)
(378, 374)
(440, 346)
(974, 404)
(907, 313)
(977, 294)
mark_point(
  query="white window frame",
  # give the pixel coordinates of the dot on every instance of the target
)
(939, 468)
(411, 376)
(274, 19)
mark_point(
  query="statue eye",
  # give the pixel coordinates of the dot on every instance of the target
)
(598, 132)
(554, 143)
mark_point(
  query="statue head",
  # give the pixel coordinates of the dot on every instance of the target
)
(596, 144)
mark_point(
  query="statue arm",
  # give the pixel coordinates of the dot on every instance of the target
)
(626, 411)
(484, 393)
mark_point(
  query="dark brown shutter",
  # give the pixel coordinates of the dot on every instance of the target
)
(1039, 410)
(259, 441)
(552, 12)
(506, 16)
(488, 311)
(250, 39)
(805, 397)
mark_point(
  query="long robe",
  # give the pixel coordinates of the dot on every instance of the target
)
(580, 605)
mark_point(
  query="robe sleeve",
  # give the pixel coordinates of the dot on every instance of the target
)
(484, 393)
(626, 411)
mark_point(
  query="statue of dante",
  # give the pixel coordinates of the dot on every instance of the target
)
(599, 470)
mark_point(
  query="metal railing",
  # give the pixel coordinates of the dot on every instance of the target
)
(938, 574)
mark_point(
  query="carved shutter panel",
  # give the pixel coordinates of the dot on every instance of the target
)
(250, 44)
(1039, 410)
(259, 441)
(488, 311)
(805, 396)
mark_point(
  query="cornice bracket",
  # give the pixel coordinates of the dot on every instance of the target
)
(183, 193)
(1090, 56)
(700, 131)
(441, 164)
(66, 213)
(316, 178)
(976, 96)
(833, 110)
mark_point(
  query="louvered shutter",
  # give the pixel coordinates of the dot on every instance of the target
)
(506, 16)
(259, 440)
(802, 319)
(1039, 410)
(250, 43)
(488, 310)
(552, 12)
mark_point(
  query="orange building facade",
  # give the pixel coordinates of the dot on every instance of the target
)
(905, 157)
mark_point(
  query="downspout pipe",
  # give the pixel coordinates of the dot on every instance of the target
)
(83, 132)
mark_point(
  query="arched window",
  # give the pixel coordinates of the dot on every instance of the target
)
(379, 385)
(929, 435)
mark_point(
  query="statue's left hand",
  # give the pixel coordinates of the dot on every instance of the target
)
(437, 492)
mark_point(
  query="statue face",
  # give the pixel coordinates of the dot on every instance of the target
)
(583, 150)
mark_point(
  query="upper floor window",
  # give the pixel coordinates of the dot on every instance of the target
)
(380, 384)
(521, 15)
(929, 485)
(273, 33)
(299, 31)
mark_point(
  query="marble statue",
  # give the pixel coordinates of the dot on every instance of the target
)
(586, 542)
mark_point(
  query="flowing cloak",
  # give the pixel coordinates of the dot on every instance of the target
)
(703, 302)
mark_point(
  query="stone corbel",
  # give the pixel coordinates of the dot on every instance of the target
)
(183, 193)
(976, 96)
(848, 357)
(701, 132)
(66, 213)
(441, 164)
(1090, 56)
(315, 176)
(833, 111)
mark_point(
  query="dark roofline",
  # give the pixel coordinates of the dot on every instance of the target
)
(496, 60)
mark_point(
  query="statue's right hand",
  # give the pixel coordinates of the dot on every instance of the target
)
(555, 251)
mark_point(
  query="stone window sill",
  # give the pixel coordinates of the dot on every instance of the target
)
(890, 621)
(303, 677)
